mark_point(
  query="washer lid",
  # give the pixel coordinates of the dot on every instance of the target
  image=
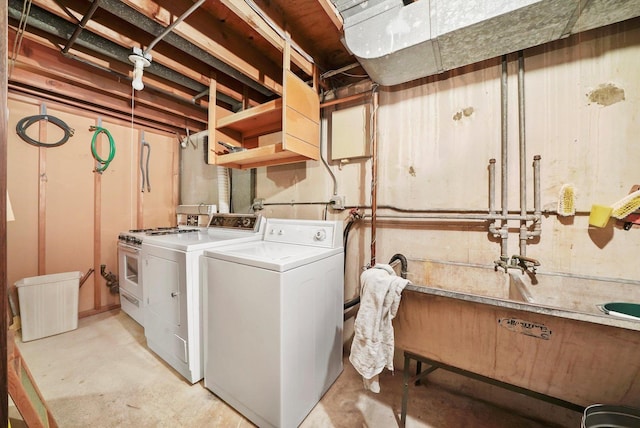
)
(274, 256)
(203, 238)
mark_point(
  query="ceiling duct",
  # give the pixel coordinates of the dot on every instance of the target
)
(398, 41)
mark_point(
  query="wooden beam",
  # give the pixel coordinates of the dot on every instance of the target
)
(24, 391)
(255, 21)
(91, 312)
(97, 224)
(4, 136)
(332, 13)
(250, 62)
(42, 195)
(36, 78)
(211, 155)
(28, 95)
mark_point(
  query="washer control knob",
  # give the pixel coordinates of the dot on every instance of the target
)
(281, 232)
(320, 235)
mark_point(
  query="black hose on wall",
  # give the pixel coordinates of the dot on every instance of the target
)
(25, 122)
(403, 264)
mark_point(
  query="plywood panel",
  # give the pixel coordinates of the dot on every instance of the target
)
(83, 211)
(159, 204)
(69, 205)
(22, 184)
(117, 189)
(572, 364)
(303, 129)
(301, 97)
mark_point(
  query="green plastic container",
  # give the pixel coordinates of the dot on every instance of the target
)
(622, 309)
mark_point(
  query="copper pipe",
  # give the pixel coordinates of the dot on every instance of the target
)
(374, 173)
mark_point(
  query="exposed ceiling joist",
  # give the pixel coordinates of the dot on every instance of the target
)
(226, 85)
(68, 79)
(207, 47)
(239, 43)
(275, 36)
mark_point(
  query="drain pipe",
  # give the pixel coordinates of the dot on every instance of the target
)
(523, 156)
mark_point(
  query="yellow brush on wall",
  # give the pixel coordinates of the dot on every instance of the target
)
(567, 201)
(627, 205)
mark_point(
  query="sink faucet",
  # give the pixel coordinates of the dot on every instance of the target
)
(524, 263)
(502, 263)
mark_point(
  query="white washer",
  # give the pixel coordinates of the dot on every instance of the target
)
(273, 320)
(172, 289)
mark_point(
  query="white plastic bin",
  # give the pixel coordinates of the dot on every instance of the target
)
(48, 304)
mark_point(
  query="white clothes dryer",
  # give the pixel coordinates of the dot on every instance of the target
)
(273, 320)
(171, 280)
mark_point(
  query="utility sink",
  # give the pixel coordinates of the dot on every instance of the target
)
(622, 309)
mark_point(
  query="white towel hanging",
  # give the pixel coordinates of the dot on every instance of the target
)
(373, 343)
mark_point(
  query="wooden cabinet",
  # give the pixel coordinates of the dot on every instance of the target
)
(284, 130)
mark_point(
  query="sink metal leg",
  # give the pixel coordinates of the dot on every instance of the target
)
(434, 365)
(405, 390)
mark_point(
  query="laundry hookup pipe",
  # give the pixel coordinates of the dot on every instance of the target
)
(523, 155)
(504, 233)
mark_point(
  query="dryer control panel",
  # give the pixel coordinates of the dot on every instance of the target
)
(316, 233)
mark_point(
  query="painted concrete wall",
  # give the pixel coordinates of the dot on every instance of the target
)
(435, 139)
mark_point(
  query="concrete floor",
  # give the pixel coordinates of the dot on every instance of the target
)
(103, 375)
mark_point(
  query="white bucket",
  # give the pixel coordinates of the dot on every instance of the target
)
(48, 304)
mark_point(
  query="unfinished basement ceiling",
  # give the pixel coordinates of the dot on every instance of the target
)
(238, 43)
(401, 40)
(235, 42)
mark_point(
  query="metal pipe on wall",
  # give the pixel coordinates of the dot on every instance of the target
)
(492, 186)
(453, 216)
(374, 172)
(87, 16)
(522, 155)
(172, 26)
(503, 228)
(537, 208)
(323, 122)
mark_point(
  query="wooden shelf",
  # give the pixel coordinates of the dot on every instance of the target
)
(273, 154)
(285, 130)
(255, 118)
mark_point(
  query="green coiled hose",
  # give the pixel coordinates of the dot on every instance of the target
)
(104, 163)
